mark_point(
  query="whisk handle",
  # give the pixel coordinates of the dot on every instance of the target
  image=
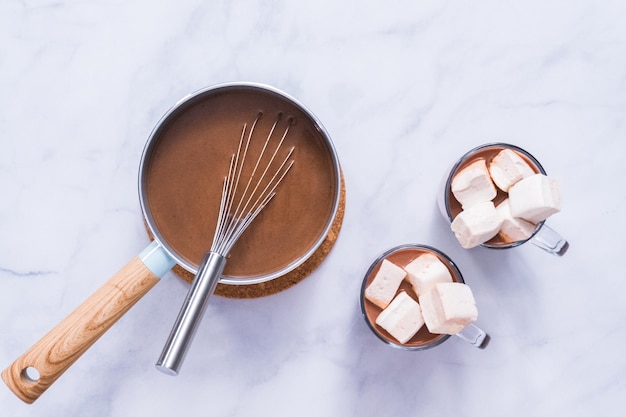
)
(191, 313)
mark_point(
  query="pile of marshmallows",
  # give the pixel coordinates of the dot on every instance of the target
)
(531, 198)
(444, 306)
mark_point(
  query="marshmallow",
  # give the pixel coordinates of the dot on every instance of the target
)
(383, 287)
(473, 184)
(507, 168)
(448, 308)
(513, 229)
(402, 318)
(425, 271)
(476, 224)
(535, 198)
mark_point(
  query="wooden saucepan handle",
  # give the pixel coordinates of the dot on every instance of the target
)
(62, 346)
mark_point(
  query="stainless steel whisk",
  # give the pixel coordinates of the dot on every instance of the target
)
(238, 208)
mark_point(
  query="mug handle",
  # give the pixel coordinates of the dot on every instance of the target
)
(475, 336)
(549, 240)
(39, 367)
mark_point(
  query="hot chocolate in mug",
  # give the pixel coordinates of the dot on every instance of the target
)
(542, 235)
(401, 256)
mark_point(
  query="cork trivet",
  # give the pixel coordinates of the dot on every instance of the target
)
(289, 279)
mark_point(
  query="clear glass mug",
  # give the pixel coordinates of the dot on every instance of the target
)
(543, 236)
(401, 256)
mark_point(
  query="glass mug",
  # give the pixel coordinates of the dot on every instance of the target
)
(423, 339)
(543, 236)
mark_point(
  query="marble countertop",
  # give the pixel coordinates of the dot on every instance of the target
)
(404, 88)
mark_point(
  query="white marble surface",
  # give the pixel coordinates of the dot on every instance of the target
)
(403, 88)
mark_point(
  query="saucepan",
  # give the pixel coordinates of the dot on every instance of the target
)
(180, 181)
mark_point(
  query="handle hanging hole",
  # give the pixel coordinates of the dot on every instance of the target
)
(31, 374)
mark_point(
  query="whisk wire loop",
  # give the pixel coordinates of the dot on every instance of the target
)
(258, 190)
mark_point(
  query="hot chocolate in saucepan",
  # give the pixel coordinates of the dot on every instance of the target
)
(185, 172)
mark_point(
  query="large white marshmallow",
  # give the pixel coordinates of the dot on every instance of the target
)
(473, 184)
(477, 224)
(448, 308)
(425, 271)
(507, 168)
(513, 229)
(402, 318)
(383, 287)
(535, 198)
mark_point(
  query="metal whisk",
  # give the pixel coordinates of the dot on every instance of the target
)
(240, 205)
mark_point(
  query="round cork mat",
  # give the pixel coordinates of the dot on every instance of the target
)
(289, 279)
